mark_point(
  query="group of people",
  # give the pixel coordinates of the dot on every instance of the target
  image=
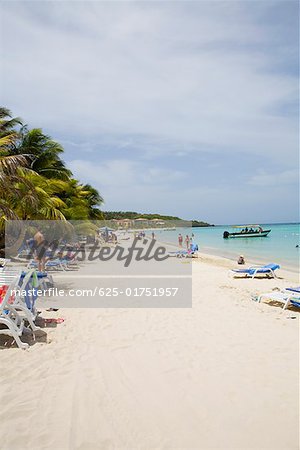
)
(251, 230)
(142, 235)
(109, 237)
(187, 241)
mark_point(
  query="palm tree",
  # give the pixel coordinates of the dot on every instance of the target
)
(74, 197)
(9, 164)
(8, 138)
(7, 125)
(23, 193)
(34, 181)
(93, 199)
(45, 152)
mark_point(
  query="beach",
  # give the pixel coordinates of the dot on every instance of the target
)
(223, 374)
(149, 225)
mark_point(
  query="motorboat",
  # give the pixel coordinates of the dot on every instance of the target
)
(246, 231)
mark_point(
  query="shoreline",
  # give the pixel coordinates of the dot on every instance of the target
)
(231, 258)
(221, 261)
(251, 261)
(276, 248)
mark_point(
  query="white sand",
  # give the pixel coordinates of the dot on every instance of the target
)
(223, 374)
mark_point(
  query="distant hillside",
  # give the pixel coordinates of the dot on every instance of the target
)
(108, 215)
(197, 223)
(119, 215)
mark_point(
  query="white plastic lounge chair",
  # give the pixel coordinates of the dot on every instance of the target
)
(27, 311)
(268, 270)
(9, 317)
(4, 262)
(285, 297)
(7, 273)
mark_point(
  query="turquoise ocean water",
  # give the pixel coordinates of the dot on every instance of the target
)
(278, 247)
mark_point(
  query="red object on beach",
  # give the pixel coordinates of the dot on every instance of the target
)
(3, 290)
(59, 320)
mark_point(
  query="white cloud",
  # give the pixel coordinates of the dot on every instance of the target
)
(287, 177)
(129, 187)
(124, 173)
(110, 173)
(164, 70)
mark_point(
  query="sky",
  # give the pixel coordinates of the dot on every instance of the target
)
(181, 108)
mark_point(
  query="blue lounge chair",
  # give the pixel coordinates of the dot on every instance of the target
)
(186, 253)
(252, 271)
(294, 289)
(44, 278)
(55, 264)
(295, 296)
(287, 297)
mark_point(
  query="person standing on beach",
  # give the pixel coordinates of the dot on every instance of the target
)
(153, 235)
(187, 242)
(40, 246)
(180, 239)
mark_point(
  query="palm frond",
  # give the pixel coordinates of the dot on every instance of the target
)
(10, 164)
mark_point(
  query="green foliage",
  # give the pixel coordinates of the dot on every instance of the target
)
(119, 215)
(35, 182)
(108, 215)
(197, 223)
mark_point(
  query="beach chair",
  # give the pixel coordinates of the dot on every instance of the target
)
(295, 300)
(290, 296)
(186, 253)
(71, 263)
(7, 276)
(55, 264)
(4, 262)
(10, 319)
(25, 304)
(44, 279)
(268, 270)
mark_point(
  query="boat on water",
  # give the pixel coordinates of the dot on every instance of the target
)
(246, 231)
